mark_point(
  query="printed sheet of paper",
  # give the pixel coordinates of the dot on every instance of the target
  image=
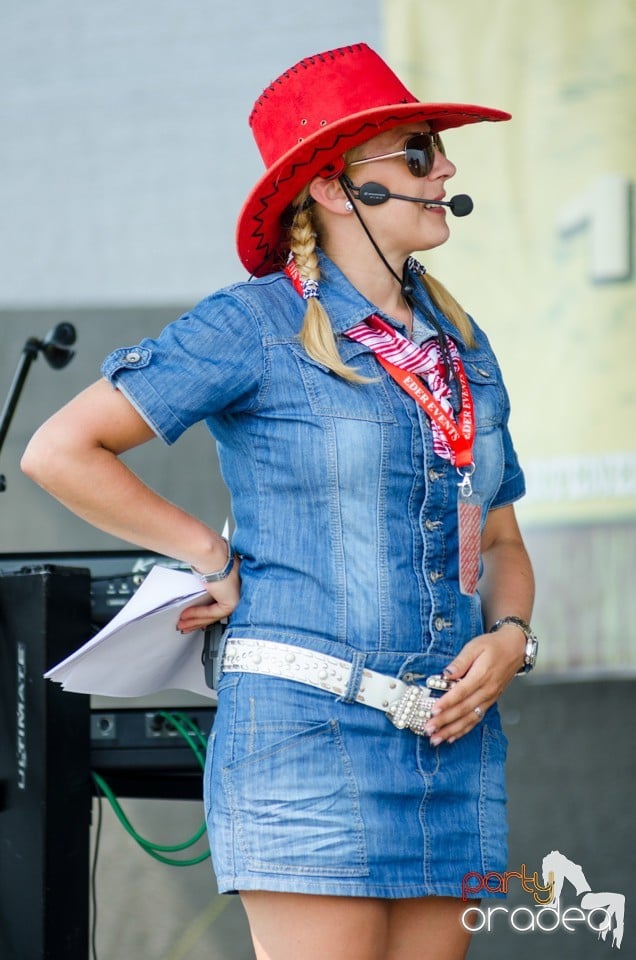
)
(141, 651)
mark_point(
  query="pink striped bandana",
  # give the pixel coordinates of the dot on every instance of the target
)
(426, 361)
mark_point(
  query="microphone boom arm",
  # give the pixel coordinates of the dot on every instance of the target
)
(373, 194)
(56, 349)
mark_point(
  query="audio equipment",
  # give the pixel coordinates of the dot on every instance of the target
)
(56, 349)
(131, 743)
(114, 576)
(373, 194)
(50, 741)
(44, 768)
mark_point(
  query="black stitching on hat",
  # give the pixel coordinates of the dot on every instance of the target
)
(305, 64)
(257, 233)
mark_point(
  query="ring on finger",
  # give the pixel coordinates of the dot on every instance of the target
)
(479, 712)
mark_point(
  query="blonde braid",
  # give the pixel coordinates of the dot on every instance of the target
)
(316, 335)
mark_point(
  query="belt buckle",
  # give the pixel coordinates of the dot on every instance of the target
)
(414, 708)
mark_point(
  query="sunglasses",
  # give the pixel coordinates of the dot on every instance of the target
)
(419, 153)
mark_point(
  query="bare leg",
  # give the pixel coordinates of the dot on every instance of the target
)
(289, 926)
(428, 929)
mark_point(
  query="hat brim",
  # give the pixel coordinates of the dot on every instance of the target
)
(259, 233)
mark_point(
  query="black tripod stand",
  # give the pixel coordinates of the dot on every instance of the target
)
(56, 348)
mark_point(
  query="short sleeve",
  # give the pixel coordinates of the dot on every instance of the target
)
(209, 361)
(513, 483)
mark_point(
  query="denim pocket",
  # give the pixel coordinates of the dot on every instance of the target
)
(331, 396)
(295, 802)
(487, 392)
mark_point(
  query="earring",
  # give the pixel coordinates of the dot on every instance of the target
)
(348, 206)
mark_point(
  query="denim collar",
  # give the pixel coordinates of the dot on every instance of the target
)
(346, 306)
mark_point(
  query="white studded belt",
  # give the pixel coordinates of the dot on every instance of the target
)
(407, 705)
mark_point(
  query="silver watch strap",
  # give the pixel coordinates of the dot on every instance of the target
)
(217, 575)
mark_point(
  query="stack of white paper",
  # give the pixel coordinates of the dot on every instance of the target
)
(141, 651)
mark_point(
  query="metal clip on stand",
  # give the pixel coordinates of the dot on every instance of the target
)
(56, 348)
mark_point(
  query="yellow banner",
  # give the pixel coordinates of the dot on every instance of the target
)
(546, 261)
(546, 265)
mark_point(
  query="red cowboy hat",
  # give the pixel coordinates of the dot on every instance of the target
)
(308, 118)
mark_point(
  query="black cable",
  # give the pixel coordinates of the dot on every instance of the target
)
(98, 832)
(348, 187)
(406, 287)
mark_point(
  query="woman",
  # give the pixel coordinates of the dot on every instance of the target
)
(355, 768)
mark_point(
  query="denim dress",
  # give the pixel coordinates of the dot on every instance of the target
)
(346, 524)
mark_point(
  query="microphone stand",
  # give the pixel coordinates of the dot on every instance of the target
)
(55, 348)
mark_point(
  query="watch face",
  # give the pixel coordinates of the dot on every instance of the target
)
(532, 648)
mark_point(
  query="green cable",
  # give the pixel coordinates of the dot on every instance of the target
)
(180, 721)
(125, 822)
(191, 733)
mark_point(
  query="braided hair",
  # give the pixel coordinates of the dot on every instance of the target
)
(316, 335)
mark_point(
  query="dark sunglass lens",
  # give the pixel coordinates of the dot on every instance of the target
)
(420, 152)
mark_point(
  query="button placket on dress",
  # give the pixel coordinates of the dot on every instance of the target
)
(433, 531)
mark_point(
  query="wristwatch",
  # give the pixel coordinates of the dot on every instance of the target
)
(532, 643)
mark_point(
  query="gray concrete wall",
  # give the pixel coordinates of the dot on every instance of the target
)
(126, 156)
(125, 149)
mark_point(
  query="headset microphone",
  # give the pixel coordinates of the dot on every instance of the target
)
(373, 194)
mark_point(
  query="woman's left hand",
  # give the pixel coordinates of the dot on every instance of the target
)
(483, 669)
(487, 663)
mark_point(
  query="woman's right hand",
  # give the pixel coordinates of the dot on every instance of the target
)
(75, 456)
(224, 596)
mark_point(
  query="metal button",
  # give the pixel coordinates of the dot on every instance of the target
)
(133, 356)
(433, 474)
(432, 524)
(435, 575)
(439, 623)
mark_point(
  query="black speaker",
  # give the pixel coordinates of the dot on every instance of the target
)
(45, 788)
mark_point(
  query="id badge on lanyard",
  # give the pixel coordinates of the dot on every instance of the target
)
(469, 531)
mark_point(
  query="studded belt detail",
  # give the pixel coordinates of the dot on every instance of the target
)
(407, 705)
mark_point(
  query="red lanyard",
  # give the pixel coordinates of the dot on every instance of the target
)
(459, 433)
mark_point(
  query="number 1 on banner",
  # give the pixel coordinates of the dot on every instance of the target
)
(606, 209)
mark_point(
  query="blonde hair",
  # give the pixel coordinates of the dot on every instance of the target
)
(316, 335)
